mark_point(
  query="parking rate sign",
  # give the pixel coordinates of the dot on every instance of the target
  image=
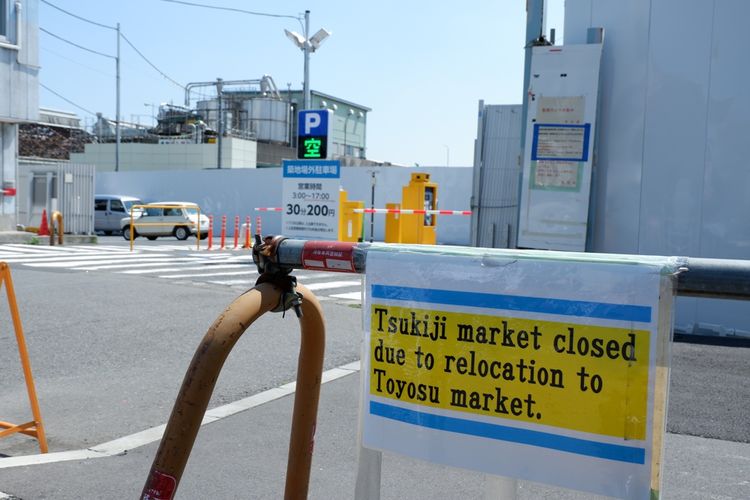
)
(310, 193)
(313, 134)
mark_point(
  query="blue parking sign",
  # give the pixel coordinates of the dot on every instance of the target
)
(313, 134)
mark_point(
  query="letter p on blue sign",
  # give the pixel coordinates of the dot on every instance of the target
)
(313, 133)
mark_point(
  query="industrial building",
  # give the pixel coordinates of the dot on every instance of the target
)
(246, 124)
(671, 119)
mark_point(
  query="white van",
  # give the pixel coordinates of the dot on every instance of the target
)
(109, 209)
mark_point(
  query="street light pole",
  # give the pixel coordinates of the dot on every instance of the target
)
(307, 44)
(306, 48)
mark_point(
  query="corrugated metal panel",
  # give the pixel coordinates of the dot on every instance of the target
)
(76, 200)
(497, 171)
(67, 187)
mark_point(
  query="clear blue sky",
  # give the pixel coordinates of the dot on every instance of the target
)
(421, 66)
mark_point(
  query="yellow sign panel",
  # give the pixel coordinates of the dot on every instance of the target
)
(562, 374)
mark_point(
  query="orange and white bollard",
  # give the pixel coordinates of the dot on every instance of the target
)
(247, 232)
(223, 230)
(257, 226)
(236, 231)
(210, 232)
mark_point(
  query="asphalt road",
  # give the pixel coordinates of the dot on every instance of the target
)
(109, 352)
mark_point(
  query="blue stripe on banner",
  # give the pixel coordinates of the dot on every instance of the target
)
(562, 307)
(511, 434)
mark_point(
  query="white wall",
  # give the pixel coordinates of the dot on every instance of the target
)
(236, 153)
(672, 167)
(233, 192)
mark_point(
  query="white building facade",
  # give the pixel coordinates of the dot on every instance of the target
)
(19, 93)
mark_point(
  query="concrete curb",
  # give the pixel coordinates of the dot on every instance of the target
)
(29, 238)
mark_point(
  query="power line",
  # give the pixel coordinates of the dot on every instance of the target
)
(231, 9)
(44, 49)
(79, 17)
(66, 99)
(75, 44)
(150, 63)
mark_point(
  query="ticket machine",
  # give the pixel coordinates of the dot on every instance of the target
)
(419, 194)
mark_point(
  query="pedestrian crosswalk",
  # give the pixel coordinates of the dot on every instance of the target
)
(175, 263)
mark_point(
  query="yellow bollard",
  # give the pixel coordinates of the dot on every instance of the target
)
(393, 224)
(57, 223)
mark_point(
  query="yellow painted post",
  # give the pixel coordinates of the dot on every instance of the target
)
(392, 224)
(342, 218)
(35, 428)
(57, 226)
(350, 222)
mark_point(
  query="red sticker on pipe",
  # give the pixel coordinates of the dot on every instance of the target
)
(328, 256)
(160, 486)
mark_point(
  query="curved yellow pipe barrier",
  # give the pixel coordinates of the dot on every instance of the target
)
(57, 222)
(201, 376)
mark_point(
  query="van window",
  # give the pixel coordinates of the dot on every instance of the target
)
(100, 205)
(116, 206)
(129, 204)
(154, 211)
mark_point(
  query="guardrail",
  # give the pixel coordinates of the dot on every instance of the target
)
(275, 290)
(698, 276)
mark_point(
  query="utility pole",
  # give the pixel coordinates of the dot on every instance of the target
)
(117, 110)
(219, 88)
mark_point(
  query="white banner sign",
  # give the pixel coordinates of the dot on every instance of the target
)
(539, 368)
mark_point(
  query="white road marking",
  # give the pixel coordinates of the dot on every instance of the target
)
(123, 262)
(145, 262)
(325, 285)
(200, 275)
(93, 259)
(126, 443)
(177, 269)
(347, 296)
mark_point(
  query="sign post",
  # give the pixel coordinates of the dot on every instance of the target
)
(536, 366)
(310, 192)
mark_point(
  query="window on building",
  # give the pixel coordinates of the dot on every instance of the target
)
(4, 18)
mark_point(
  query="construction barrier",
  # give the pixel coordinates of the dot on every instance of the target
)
(409, 211)
(34, 428)
(694, 277)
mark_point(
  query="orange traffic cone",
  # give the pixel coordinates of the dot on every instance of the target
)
(44, 226)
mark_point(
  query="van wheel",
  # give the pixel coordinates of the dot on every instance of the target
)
(181, 233)
(126, 233)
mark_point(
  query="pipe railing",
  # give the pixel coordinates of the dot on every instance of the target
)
(698, 276)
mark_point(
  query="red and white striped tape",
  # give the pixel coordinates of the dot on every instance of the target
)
(386, 211)
(409, 211)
